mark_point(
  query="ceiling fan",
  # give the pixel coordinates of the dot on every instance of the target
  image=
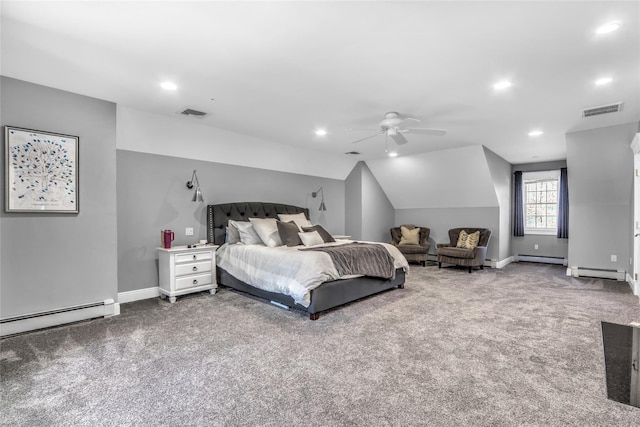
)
(396, 126)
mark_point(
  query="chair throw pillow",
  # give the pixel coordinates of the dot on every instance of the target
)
(410, 237)
(472, 240)
(468, 241)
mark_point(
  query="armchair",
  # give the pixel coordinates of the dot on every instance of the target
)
(449, 253)
(412, 252)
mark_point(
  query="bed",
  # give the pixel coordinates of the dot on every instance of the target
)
(326, 296)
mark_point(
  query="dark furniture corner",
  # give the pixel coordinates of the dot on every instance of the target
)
(413, 253)
(450, 254)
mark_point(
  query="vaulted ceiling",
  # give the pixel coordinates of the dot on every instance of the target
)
(278, 71)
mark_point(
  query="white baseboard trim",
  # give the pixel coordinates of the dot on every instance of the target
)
(635, 286)
(138, 294)
(505, 262)
(40, 320)
(543, 259)
(595, 272)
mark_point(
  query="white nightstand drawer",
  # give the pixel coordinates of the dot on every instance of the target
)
(193, 268)
(195, 256)
(193, 280)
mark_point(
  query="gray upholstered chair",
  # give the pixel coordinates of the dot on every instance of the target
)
(413, 253)
(450, 254)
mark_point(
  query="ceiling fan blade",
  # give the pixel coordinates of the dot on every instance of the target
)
(399, 138)
(365, 138)
(425, 131)
(408, 121)
(361, 130)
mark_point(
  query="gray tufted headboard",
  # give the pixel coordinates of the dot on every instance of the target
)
(218, 215)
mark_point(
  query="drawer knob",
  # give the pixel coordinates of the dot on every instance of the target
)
(195, 257)
(195, 281)
(195, 268)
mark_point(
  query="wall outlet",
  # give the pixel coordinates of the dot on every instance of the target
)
(614, 258)
(188, 231)
(535, 246)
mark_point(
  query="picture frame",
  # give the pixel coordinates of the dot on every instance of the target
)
(41, 171)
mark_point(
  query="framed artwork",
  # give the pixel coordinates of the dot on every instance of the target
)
(41, 171)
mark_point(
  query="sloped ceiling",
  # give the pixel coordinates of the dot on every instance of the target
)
(277, 70)
(454, 178)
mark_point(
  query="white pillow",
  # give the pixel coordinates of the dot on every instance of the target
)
(267, 229)
(248, 235)
(232, 235)
(311, 238)
(299, 219)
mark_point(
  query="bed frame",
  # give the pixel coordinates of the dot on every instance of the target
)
(325, 297)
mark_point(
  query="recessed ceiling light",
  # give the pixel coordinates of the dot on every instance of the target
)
(321, 132)
(393, 154)
(609, 27)
(502, 85)
(603, 81)
(535, 133)
(168, 86)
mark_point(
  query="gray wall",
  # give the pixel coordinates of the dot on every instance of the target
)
(369, 213)
(378, 214)
(353, 202)
(441, 220)
(600, 172)
(152, 196)
(49, 261)
(502, 181)
(548, 246)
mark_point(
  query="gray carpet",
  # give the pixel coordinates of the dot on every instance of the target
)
(517, 346)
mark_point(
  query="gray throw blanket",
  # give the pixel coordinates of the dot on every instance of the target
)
(360, 258)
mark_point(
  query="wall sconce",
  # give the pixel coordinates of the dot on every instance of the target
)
(315, 194)
(197, 196)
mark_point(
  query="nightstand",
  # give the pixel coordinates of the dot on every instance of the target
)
(341, 236)
(185, 270)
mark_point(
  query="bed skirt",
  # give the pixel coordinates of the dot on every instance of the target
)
(326, 296)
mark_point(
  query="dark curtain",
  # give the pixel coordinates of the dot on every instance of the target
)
(518, 206)
(563, 206)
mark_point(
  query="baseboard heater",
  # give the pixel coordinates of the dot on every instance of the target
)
(45, 319)
(596, 272)
(543, 259)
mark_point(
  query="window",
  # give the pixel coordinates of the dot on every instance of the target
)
(540, 199)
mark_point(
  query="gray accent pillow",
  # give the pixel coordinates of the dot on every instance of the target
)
(289, 233)
(326, 236)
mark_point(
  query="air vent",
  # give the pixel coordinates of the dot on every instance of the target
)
(603, 109)
(353, 153)
(193, 113)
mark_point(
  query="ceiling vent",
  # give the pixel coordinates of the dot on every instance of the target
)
(603, 109)
(193, 113)
(353, 153)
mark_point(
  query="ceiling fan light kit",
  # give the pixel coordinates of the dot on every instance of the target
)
(395, 126)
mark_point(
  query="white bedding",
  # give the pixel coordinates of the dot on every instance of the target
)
(286, 270)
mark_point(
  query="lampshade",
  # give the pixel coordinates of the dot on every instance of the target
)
(314, 194)
(197, 196)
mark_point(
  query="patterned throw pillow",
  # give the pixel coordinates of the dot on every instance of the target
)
(409, 237)
(462, 239)
(472, 240)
